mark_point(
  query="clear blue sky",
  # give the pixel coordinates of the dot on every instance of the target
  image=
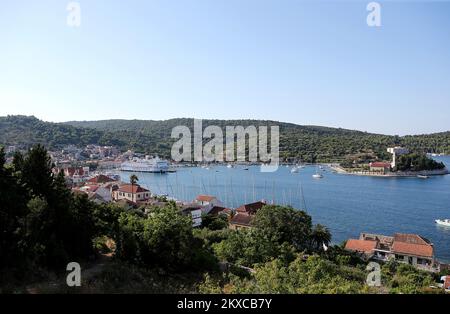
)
(307, 62)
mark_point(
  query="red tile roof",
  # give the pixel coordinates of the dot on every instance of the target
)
(205, 198)
(251, 208)
(74, 171)
(100, 179)
(366, 246)
(412, 244)
(241, 219)
(93, 188)
(216, 210)
(380, 164)
(128, 188)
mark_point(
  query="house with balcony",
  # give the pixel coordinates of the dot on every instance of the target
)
(411, 249)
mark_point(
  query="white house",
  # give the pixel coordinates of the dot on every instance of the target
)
(131, 192)
(207, 202)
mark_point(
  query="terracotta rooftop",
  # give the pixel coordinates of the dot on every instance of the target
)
(251, 208)
(380, 164)
(205, 198)
(366, 246)
(74, 171)
(412, 244)
(241, 219)
(129, 188)
(100, 179)
(216, 210)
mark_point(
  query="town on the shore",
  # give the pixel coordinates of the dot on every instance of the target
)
(92, 170)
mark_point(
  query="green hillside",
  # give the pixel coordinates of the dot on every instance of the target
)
(308, 143)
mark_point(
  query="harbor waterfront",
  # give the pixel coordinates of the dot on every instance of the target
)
(348, 205)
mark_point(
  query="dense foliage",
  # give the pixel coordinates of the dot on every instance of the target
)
(306, 143)
(417, 162)
(164, 239)
(41, 223)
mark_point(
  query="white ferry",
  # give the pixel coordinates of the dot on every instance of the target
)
(154, 165)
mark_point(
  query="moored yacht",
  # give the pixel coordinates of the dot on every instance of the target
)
(317, 175)
(443, 222)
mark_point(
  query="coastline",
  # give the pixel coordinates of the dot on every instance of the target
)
(407, 174)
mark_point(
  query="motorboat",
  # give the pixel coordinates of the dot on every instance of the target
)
(443, 222)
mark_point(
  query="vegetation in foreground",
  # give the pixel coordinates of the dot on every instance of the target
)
(43, 227)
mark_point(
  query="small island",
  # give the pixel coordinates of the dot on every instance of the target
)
(403, 164)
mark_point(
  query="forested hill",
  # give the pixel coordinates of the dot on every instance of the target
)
(310, 143)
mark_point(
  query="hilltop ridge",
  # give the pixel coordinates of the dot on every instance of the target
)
(308, 143)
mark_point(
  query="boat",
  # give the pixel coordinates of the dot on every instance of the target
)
(294, 170)
(443, 222)
(317, 175)
(148, 164)
(229, 166)
(422, 176)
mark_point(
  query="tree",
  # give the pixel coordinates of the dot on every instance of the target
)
(133, 179)
(164, 238)
(320, 236)
(215, 222)
(285, 224)
(37, 172)
(12, 210)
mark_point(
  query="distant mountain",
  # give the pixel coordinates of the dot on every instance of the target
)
(308, 143)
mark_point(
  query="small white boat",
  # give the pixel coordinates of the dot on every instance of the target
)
(422, 176)
(229, 166)
(443, 222)
(317, 175)
(294, 170)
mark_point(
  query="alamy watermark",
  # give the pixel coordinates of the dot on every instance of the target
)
(374, 276)
(73, 279)
(74, 15)
(236, 139)
(374, 17)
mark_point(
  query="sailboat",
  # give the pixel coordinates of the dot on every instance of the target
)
(317, 175)
(294, 169)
